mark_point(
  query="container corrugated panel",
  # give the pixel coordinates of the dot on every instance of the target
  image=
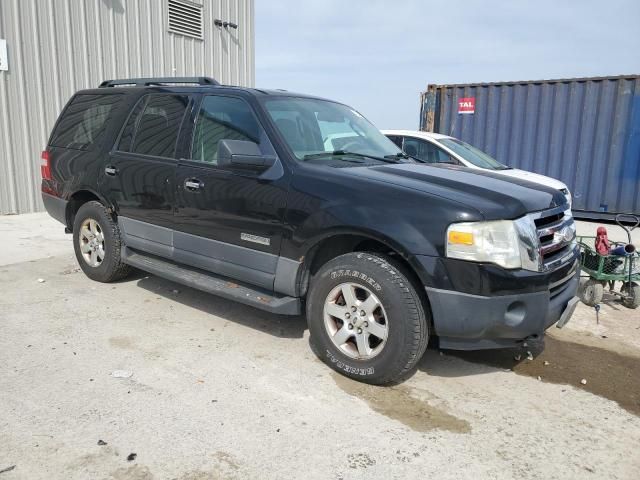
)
(57, 47)
(585, 132)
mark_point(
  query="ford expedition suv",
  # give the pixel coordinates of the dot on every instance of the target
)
(240, 192)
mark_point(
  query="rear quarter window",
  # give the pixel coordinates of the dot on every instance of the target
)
(84, 121)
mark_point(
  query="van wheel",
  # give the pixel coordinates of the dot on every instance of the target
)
(97, 243)
(366, 318)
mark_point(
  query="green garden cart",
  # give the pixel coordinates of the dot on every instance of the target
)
(605, 270)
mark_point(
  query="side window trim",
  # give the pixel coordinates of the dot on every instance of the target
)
(144, 100)
(187, 131)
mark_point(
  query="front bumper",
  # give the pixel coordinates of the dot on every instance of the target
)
(465, 321)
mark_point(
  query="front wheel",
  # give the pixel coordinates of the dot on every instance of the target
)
(366, 318)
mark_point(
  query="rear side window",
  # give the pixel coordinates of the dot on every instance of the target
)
(154, 125)
(84, 120)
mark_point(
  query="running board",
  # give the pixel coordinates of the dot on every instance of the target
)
(211, 283)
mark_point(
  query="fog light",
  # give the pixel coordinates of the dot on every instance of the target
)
(515, 314)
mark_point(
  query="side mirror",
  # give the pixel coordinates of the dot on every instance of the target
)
(242, 154)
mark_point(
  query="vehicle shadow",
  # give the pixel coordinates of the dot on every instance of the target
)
(602, 370)
(435, 362)
(282, 326)
(432, 363)
(611, 300)
(443, 363)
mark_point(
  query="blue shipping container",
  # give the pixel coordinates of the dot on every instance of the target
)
(583, 131)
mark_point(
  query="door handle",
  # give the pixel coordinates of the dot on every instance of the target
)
(193, 184)
(111, 171)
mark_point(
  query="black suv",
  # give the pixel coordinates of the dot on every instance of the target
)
(288, 202)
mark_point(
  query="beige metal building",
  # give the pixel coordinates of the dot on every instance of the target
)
(51, 48)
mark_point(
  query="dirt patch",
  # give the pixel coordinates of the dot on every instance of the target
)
(608, 374)
(226, 459)
(134, 472)
(399, 404)
(126, 343)
(360, 460)
(202, 475)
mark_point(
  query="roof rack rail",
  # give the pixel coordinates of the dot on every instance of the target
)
(146, 82)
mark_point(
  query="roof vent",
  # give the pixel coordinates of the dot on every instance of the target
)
(185, 18)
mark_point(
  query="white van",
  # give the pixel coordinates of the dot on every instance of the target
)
(437, 148)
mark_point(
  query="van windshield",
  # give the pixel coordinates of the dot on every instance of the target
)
(472, 154)
(321, 130)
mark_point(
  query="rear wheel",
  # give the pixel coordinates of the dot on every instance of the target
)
(591, 292)
(632, 295)
(97, 243)
(366, 318)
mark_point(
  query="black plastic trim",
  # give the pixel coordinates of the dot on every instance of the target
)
(469, 322)
(254, 267)
(56, 207)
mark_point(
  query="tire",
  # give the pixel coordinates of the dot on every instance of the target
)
(591, 292)
(388, 350)
(633, 298)
(96, 234)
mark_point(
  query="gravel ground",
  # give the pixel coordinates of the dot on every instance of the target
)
(220, 390)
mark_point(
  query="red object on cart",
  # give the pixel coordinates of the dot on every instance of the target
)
(602, 241)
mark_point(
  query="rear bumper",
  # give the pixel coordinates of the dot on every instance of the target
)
(466, 321)
(56, 207)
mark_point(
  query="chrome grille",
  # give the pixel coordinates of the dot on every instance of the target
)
(556, 232)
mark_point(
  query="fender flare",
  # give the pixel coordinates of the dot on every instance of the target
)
(311, 246)
(70, 197)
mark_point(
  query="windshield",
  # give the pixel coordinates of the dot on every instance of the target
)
(471, 154)
(320, 129)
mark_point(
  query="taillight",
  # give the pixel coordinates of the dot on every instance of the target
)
(45, 165)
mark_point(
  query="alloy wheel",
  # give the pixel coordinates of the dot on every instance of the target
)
(355, 321)
(91, 238)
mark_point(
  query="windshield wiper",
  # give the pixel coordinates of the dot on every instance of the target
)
(340, 153)
(405, 156)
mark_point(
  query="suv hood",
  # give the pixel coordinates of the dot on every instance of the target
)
(533, 177)
(493, 195)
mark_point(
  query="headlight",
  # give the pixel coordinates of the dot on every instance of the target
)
(508, 243)
(567, 193)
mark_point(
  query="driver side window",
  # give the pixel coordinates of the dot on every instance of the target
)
(222, 118)
(426, 151)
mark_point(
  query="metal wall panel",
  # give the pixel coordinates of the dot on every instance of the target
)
(585, 132)
(57, 47)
